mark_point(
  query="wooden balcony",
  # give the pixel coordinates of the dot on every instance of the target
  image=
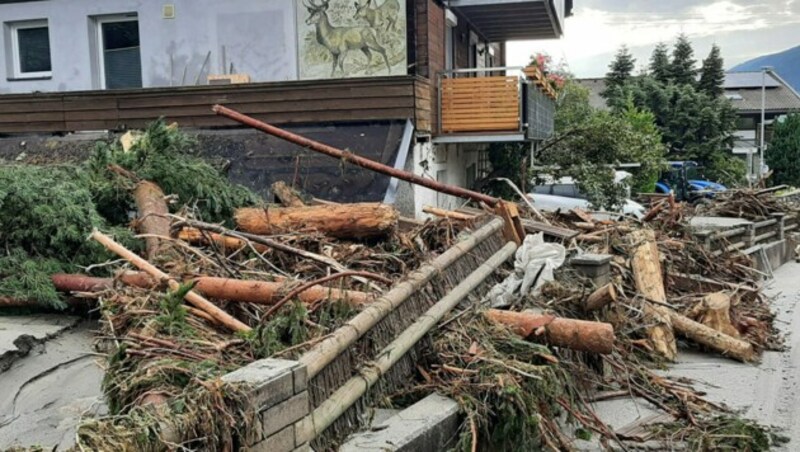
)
(481, 104)
(493, 104)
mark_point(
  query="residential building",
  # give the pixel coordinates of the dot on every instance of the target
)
(419, 84)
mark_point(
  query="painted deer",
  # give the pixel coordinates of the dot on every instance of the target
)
(375, 15)
(340, 40)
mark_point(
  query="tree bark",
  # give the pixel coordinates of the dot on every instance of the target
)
(600, 298)
(650, 284)
(581, 335)
(196, 236)
(348, 221)
(256, 292)
(267, 293)
(702, 334)
(153, 219)
(287, 196)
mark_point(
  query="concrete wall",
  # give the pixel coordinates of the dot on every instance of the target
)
(258, 36)
(444, 163)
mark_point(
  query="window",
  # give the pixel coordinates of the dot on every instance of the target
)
(30, 49)
(119, 52)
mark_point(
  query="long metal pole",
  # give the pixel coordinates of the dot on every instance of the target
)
(763, 120)
(354, 159)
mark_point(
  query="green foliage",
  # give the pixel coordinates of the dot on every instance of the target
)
(588, 143)
(23, 277)
(284, 330)
(47, 212)
(682, 67)
(732, 433)
(659, 63)
(619, 71)
(783, 154)
(695, 122)
(164, 155)
(510, 161)
(712, 74)
(172, 320)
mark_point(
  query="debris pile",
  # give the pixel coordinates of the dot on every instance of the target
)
(217, 279)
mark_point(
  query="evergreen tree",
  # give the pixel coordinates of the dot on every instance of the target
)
(682, 70)
(784, 150)
(712, 75)
(659, 63)
(619, 72)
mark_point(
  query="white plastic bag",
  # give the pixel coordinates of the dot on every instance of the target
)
(534, 264)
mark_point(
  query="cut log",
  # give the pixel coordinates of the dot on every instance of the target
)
(727, 345)
(267, 293)
(581, 335)
(650, 284)
(716, 314)
(153, 219)
(81, 283)
(191, 296)
(348, 221)
(256, 292)
(287, 196)
(196, 236)
(600, 298)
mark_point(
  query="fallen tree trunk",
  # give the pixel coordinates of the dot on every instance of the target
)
(153, 216)
(581, 335)
(191, 296)
(196, 236)
(650, 284)
(64, 282)
(600, 298)
(287, 196)
(702, 334)
(256, 292)
(264, 292)
(348, 221)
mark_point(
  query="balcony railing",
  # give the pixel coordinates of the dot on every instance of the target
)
(493, 104)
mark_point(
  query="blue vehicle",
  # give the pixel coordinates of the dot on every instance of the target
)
(685, 180)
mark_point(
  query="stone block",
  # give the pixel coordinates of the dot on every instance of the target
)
(428, 425)
(283, 441)
(271, 380)
(300, 379)
(284, 414)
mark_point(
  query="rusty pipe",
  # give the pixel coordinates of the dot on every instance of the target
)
(354, 159)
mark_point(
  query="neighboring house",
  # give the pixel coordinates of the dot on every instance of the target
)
(744, 90)
(361, 69)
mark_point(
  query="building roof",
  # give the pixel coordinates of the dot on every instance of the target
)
(743, 89)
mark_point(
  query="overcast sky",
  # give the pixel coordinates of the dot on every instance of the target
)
(742, 29)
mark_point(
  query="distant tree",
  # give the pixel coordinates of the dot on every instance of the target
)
(783, 153)
(619, 72)
(682, 67)
(712, 75)
(659, 63)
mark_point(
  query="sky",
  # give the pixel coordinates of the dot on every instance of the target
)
(742, 29)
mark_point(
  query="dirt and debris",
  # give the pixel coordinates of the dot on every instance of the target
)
(222, 279)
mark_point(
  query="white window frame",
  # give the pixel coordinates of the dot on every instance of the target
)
(101, 45)
(16, 71)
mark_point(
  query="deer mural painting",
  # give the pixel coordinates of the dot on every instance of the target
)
(340, 40)
(375, 15)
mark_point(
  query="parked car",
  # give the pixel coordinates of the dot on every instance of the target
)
(563, 194)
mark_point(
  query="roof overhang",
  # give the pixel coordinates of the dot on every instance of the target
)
(513, 20)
